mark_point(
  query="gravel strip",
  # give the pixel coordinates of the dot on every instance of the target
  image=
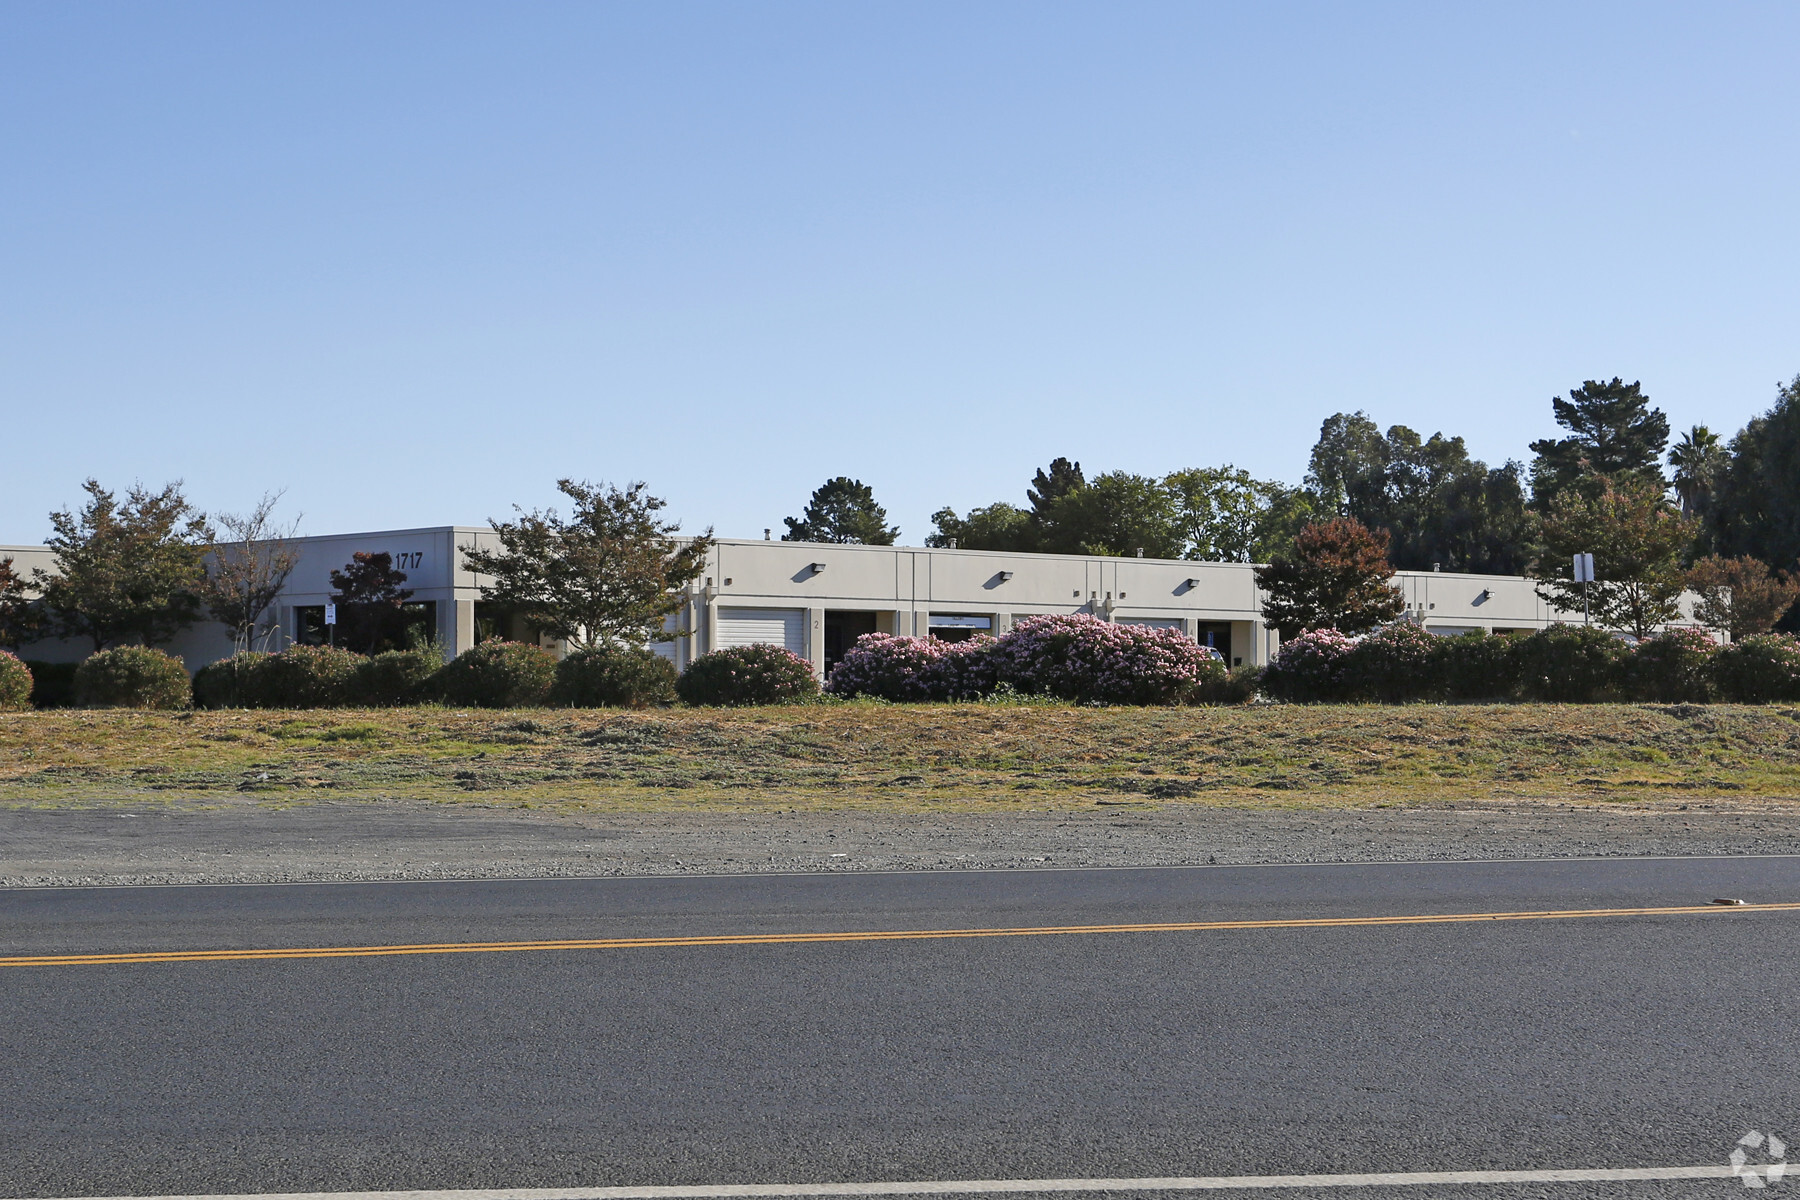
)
(404, 840)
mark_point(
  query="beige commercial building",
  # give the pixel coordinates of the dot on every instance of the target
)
(817, 599)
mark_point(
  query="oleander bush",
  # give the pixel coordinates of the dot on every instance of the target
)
(1572, 664)
(612, 676)
(1758, 670)
(887, 667)
(1395, 664)
(301, 677)
(229, 682)
(15, 683)
(395, 677)
(1312, 668)
(132, 677)
(739, 675)
(1089, 661)
(52, 683)
(1477, 666)
(1674, 666)
(497, 674)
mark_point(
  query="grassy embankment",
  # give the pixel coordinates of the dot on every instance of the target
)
(963, 757)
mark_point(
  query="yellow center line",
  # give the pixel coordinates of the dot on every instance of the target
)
(873, 935)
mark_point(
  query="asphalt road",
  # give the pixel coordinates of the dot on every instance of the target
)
(1620, 1041)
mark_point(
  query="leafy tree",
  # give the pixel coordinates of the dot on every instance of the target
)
(1337, 576)
(1115, 514)
(19, 618)
(1740, 596)
(1219, 512)
(1698, 460)
(613, 572)
(1613, 433)
(999, 526)
(125, 569)
(842, 510)
(1439, 506)
(1756, 504)
(1636, 537)
(246, 572)
(1289, 510)
(369, 598)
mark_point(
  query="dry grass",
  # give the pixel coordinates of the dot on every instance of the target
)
(967, 757)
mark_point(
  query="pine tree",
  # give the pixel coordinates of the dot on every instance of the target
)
(842, 510)
(1613, 434)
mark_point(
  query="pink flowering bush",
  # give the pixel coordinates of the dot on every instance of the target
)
(15, 682)
(1311, 668)
(1673, 666)
(1087, 660)
(1758, 669)
(1395, 664)
(914, 669)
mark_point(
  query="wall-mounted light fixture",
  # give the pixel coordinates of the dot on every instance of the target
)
(1078, 593)
(1005, 576)
(1190, 584)
(727, 581)
(818, 568)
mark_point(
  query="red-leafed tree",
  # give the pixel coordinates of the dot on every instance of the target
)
(1337, 577)
(369, 598)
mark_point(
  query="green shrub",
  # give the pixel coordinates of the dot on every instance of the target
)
(52, 684)
(1236, 686)
(1477, 666)
(1672, 667)
(396, 677)
(497, 674)
(1572, 664)
(303, 677)
(1758, 669)
(1395, 664)
(611, 676)
(739, 675)
(132, 677)
(229, 682)
(15, 683)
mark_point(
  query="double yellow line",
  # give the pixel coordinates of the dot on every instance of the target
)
(874, 935)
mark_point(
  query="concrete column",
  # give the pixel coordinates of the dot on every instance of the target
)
(815, 641)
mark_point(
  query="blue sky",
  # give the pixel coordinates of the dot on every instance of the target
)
(414, 262)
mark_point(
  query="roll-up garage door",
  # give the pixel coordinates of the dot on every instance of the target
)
(785, 627)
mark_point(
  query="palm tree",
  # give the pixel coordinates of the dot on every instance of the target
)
(1697, 458)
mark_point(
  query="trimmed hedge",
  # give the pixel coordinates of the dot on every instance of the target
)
(395, 677)
(132, 677)
(15, 683)
(610, 676)
(497, 674)
(1477, 666)
(1672, 667)
(52, 683)
(739, 675)
(1395, 664)
(1572, 664)
(229, 682)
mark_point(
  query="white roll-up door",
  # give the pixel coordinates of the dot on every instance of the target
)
(785, 627)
